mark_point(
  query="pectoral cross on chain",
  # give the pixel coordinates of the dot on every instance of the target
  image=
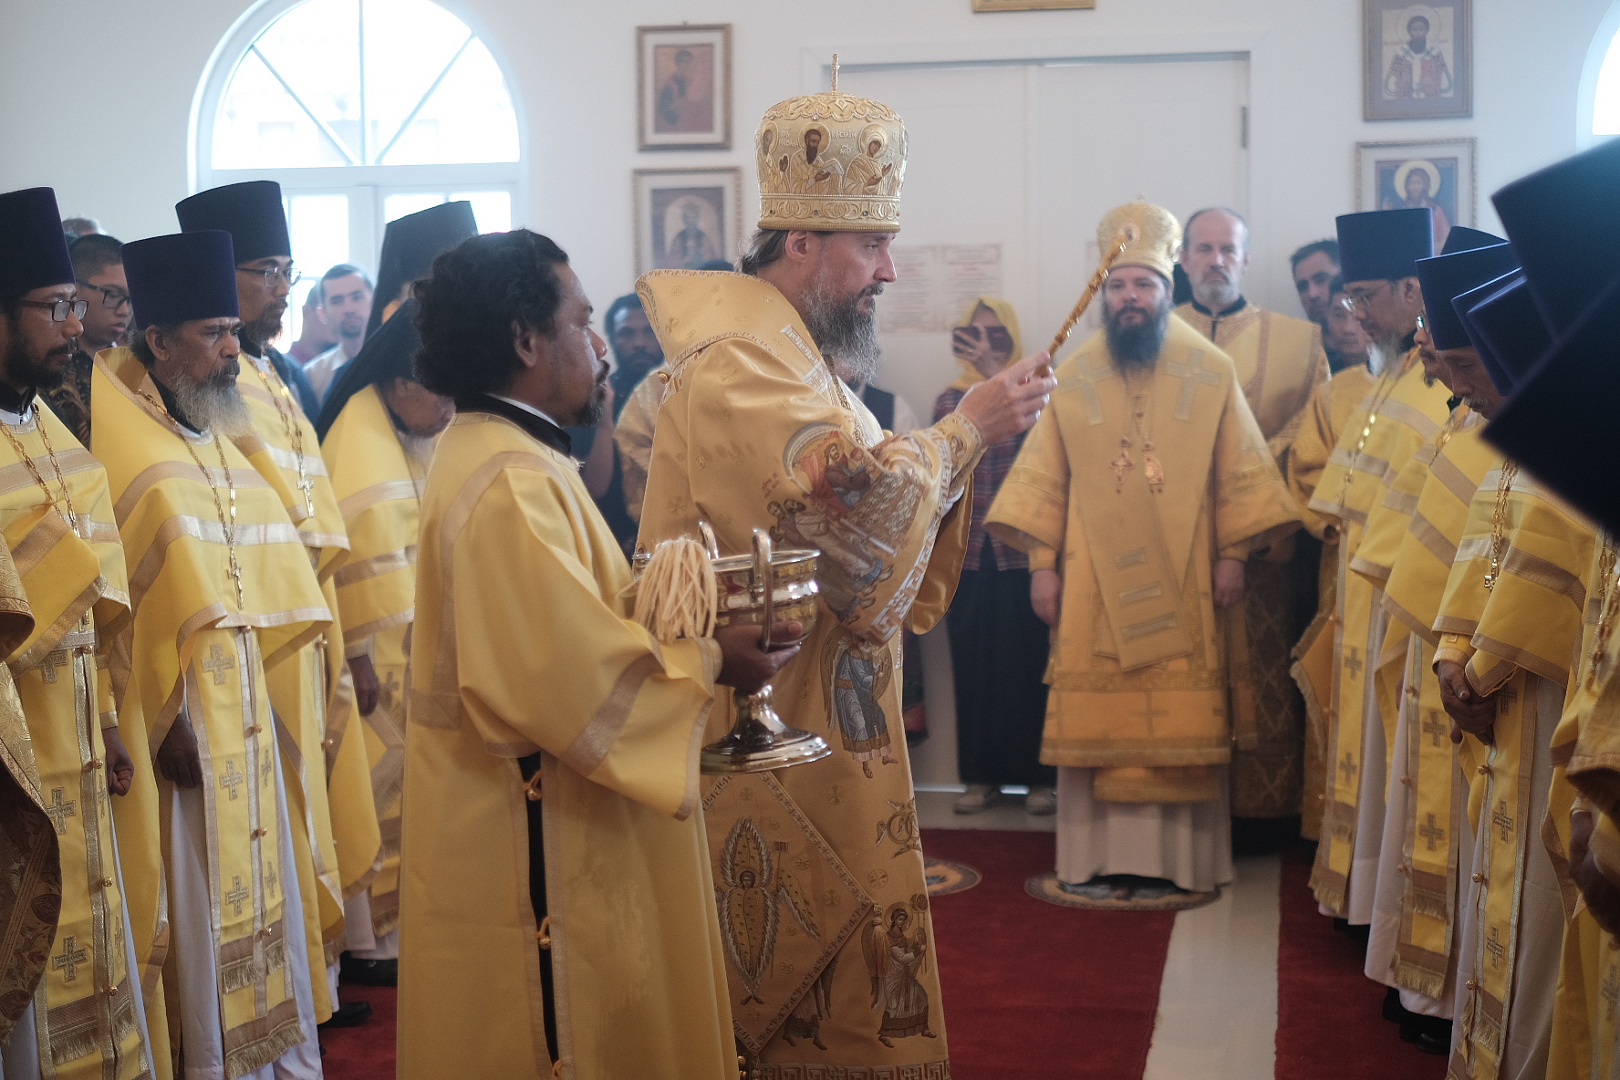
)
(1122, 464)
(1431, 832)
(307, 486)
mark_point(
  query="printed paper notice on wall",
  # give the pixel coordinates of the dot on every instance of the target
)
(934, 285)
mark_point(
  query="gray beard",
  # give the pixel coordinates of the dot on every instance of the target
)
(211, 407)
(418, 449)
(846, 336)
(1216, 297)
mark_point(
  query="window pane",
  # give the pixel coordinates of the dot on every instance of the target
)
(409, 202)
(261, 126)
(492, 209)
(315, 49)
(318, 226)
(469, 117)
(409, 43)
(1606, 109)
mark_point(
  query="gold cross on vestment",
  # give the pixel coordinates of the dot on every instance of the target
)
(238, 895)
(1190, 374)
(1434, 727)
(69, 959)
(270, 876)
(1349, 767)
(52, 661)
(1431, 832)
(1501, 819)
(231, 779)
(1352, 660)
(307, 486)
(1610, 989)
(390, 691)
(60, 811)
(218, 663)
(1496, 948)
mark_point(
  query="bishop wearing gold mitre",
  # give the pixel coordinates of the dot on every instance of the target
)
(222, 587)
(1407, 550)
(378, 449)
(30, 868)
(557, 914)
(1138, 496)
(88, 1015)
(1403, 411)
(282, 446)
(1280, 362)
(1558, 425)
(757, 431)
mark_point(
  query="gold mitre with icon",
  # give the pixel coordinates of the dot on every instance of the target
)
(1150, 235)
(831, 161)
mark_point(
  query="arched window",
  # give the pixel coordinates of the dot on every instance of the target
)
(363, 111)
(1598, 106)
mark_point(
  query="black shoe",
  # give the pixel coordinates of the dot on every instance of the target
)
(347, 1015)
(368, 972)
(1434, 1035)
(1394, 1011)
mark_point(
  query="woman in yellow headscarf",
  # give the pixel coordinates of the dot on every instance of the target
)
(998, 644)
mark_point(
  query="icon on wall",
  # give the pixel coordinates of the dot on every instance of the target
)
(1437, 173)
(686, 217)
(1419, 60)
(683, 81)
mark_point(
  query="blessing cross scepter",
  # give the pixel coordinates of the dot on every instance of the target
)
(1126, 237)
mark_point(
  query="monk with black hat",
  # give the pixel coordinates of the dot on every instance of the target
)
(306, 687)
(78, 588)
(410, 244)
(226, 587)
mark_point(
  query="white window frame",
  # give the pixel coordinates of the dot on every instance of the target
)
(366, 185)
(1586, 98)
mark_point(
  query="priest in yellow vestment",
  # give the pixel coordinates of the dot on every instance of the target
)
(378, 450)
(758, 431)
(557, 915)
(1280, 362)
(221, 588)
(1138, 497)
(1402, 412)
(330, 779)
(88, 1016)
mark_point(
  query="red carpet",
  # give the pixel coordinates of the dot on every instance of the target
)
(1030, 989)
(1037, 990)
(1328, 1012)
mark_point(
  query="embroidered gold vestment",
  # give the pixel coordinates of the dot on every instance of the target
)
(379, 493)
(1279, 362)
(30, 869)
(1138, 669)
(633, 436)
(196, 644)
(1525, 628)
(86, 1008)
(1332, 404)
(757, 432)
(523, 646)
(1398, 415)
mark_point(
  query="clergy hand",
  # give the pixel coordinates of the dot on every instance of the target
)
(744, 665)
(1046, 595)
(1472, 712)
(1011, 402)
(1602, 895)
(366, 686)
(1228, 582)
(120, 766)
(177, 758)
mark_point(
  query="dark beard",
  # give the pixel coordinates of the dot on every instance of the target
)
(259, 333)
(845, 334)
(25, 371)
(590, 414)
(1137, 348)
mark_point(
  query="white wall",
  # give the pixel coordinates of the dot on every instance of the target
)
(114, 141)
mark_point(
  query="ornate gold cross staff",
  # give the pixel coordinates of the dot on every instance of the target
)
(1126, 237)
